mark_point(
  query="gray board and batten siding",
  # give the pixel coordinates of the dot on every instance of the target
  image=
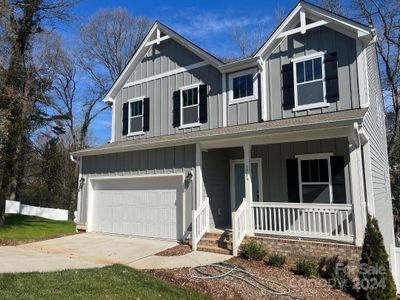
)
(320, 39)
(171, 160)
(170, 55)
(216, 172)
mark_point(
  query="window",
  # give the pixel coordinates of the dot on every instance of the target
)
(242, 86)
(136, 116)
(309, 82)
(315, 183)
(190, 106)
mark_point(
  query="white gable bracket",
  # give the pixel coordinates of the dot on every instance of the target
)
(303, 26)
(159, 39)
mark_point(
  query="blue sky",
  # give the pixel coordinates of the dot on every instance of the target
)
(206, 23)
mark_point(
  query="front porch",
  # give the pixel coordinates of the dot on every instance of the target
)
(310, 189)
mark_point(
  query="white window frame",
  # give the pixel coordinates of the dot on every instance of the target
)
(140, 132)
(181, 90)
(252, 71)
(324, 102)
(315, 156)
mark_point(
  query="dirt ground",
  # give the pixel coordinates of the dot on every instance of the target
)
(176, 251)
(230, 288)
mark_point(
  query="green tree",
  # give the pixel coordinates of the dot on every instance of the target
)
(376, 281)
(23, 91)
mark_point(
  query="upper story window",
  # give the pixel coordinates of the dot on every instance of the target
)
(309, 82)
(136, 116)
(243, 86)
(190, 105)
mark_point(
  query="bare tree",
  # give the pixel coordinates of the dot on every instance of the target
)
(109, 40)
(384, 16)
(21, 89)
(335, 6)
(106, 44)
(248, 41)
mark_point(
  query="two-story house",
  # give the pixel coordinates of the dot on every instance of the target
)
(288, 143)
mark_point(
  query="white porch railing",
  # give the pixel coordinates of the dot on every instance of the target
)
(239, 225)
(324, 221)
(200, 222)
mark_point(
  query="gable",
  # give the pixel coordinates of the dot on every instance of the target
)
(306, 16)
(164, 57)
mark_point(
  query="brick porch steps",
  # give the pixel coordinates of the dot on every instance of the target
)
(216, 242)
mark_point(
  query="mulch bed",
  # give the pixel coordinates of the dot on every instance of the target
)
(178, 250)
(300, 287)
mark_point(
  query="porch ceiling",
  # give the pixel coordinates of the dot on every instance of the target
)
(238, 134)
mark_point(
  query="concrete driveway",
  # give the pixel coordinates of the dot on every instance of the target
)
(91, 250)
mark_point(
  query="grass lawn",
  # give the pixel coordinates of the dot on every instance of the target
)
(20, 228)
(114, 282)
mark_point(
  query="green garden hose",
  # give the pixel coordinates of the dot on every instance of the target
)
(226, 270)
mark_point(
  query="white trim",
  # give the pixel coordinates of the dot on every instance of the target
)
(362, 71)
(199, 177)
(316, 156)
(310, 106)
(112, 139)
(263, 78)
(158, 40)
(232, 163)
(181, 90)
(140, 132)
(142, 50)
(308, 56)
(302, 29)
(305, 58)
(231, 76)
(224, 103)
(166, 74)
(317, 12)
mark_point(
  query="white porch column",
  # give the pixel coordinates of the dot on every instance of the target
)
(199, 177)
(357, 191)
(248, 186)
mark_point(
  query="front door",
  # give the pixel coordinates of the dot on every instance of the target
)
(237, 182)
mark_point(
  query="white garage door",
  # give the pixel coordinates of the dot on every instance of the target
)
(150, 206)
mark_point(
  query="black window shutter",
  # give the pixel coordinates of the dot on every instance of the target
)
(338, 179)
(292, 180)
(125, 116)
(146, 114)
(288, 86)
(331, 77)
(176, 112)
(203, 103)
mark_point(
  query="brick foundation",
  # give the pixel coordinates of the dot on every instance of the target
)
(295, 249)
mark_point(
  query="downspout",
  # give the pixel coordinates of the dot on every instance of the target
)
(79, 196)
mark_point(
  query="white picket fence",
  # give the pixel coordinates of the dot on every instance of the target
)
(15, 207)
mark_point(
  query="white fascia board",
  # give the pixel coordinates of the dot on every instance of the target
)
(325, 16)
(192, 47)
(145, 46)
(239, 65)
(139, 53)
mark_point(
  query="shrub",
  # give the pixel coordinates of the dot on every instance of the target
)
(307, 267)
(277, 260)
(335, 270)
(253, 250)
(376, 281)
